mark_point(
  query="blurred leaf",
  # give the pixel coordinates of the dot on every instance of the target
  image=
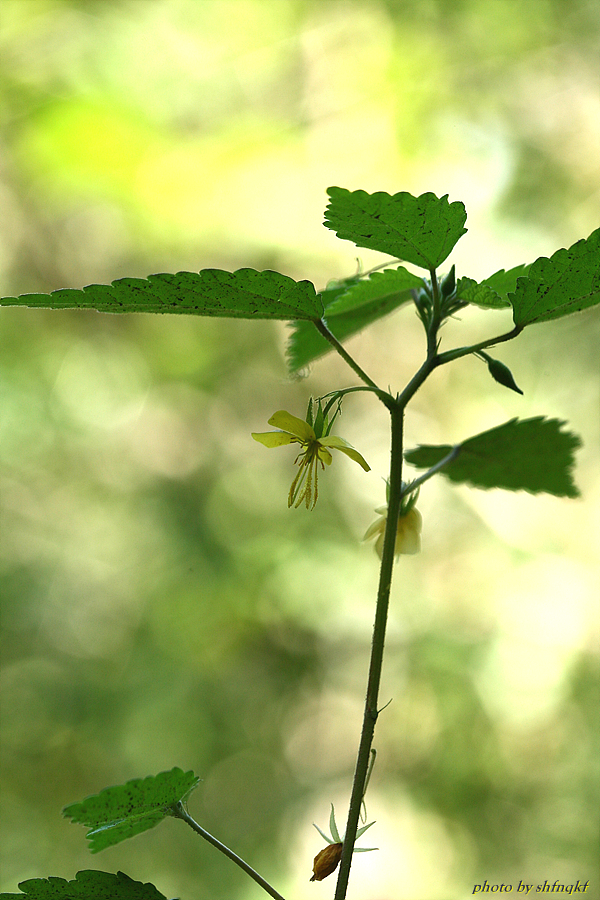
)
(246, 294)
(389, 284)
(421, 230)
(566, 283)
(121, 812)
(530, 454)
(348, 311)
(87, 885)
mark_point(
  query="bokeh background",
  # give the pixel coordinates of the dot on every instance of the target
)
(161, 606)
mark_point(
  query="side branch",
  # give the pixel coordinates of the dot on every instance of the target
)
(179, 811)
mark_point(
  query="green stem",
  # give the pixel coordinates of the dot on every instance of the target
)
(331, 338)
(180, 812)
(451, 355)
(377, 648)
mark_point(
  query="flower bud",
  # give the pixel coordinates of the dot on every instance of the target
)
(501, 374)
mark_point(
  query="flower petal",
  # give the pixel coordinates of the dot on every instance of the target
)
(338, 443)
(375, 528)
(408, 535)
(275, 438)
(287, 422)
(324, 455)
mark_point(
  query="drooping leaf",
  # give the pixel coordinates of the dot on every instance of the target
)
(421, 230)
(529, 454)
(89, 884)
(373, 301)
(121, 812)
(567, 282)
(246, 294)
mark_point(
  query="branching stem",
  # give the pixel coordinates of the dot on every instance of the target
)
(181, 813)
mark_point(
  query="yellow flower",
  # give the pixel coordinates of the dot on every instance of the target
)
(315, 441)
(408, 530)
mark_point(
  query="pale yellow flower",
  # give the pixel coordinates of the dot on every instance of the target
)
(408, 530)
(315, 442)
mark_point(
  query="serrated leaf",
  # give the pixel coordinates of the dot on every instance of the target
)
(305, 344)
(503, 281)
(121, 812)
(391, 284)
(246, 294)
(421, 230)
(480, 294)
(567, 282)
(491, 293)
(89, 884)
(529, 454)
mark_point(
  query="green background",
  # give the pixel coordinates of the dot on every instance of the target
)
(161, 606)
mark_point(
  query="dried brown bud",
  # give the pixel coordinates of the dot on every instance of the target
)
(326, 861)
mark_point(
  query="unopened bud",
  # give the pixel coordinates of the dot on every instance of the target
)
(501, 374)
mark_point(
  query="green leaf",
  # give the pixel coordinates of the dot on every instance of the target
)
(480, 294)
(391, 284)
(491, 293)
(566, 283)
(366, 304)
(530, 454)
(121, 812)
(87, 885)
(245, 294)
(421, 230)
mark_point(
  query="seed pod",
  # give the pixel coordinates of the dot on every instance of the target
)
(326, 861)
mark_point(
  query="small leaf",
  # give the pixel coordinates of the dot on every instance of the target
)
(306, 344)
(246, 294)
(87, 885)
(530, 454)
(421, 230)
(566, 283)
(391, 284)
(479, 294)
(121, 812)
(491, 293)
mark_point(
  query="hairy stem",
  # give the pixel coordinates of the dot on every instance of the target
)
(181, 813)
(377, 647)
